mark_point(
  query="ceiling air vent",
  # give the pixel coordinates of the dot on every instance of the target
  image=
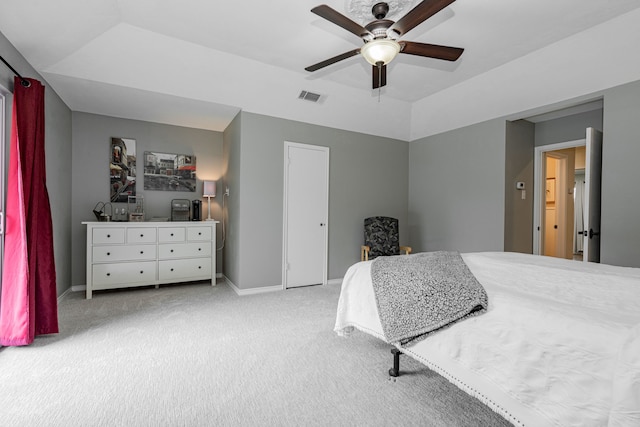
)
(309, 96)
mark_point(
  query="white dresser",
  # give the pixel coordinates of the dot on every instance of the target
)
(126, 254)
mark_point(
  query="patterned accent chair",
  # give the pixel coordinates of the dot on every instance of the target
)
(381, 238)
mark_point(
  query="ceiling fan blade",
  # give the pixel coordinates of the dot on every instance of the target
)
(431, 50)
(333, 60)
(339, 19)
(418, 14)
(379, 76)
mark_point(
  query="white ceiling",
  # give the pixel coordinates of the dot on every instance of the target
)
(196, 63)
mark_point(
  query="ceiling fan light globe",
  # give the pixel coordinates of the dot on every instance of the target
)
(382, 50)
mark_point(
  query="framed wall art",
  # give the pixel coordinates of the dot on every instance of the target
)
(169, 172)
(122, 169)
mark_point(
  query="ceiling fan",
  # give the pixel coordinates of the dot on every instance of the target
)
(381, 36)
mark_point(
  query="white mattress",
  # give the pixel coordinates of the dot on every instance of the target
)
(559, 344)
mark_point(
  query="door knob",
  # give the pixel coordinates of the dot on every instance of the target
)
(593, 233)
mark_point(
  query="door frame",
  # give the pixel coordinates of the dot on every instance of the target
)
(285, 214)
(539, 183)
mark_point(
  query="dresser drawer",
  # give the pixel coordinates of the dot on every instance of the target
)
(141, 235)
(199, 234)
(185, 269)
(124, 253)
(111, 275)
(105, 236)
(171, 234)
(184, 250)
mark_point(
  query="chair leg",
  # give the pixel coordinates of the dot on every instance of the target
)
(364, 253)
(395, 371)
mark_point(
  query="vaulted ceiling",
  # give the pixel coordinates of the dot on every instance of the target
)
(198, 62)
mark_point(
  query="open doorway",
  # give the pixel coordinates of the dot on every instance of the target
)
(561, 210)
(567, 198)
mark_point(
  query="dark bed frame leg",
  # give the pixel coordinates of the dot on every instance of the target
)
(395, 371)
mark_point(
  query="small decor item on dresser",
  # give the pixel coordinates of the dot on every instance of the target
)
(136, 208)
(180, 210)
(120, 215)
(100, 211)
(196, 210)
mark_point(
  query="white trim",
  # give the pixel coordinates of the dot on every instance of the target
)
(78, 288)
(539, 184)
(285, 219)
(64, 294)
(335, 281)
(251, 291)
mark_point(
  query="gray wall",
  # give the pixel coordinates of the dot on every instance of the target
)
(569, 128)
(453, 177)
(90, 164)
(518, 212)
(231, 213)
(57, 152)
(457, 189)
(367, 176)
(620, 232)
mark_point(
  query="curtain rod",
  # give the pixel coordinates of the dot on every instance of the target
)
(24, 82)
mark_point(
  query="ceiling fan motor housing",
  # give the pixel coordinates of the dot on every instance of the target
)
(379, 28)
(380, 10)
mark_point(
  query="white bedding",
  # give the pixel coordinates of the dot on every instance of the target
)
(559, 344)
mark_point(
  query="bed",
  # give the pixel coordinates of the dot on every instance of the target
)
(559, 344)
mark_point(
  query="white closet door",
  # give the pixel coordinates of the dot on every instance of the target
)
(306, 212)
(592, 196)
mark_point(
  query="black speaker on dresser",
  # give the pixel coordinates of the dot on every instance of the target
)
(196, 210)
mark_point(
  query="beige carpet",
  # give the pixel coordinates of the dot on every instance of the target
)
(196, 355)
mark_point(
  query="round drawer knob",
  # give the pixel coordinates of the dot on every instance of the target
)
(199, 233)
(171, 234)
(141, 252)
(171, 250)
(199, 267)
(108, 236)
(199, 249)
(108, 274)
(142, 235)
(108, 253)
(141, 271)
(172, 269)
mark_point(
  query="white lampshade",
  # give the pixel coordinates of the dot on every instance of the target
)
(382, 50)
(209, 189)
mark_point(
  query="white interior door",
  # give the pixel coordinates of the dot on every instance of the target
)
(306, 201)
(592, 196)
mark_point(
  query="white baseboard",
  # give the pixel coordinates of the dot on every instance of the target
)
(251, 291)
(238, 291)
(64, 294)
(83, 288)
(335, 281)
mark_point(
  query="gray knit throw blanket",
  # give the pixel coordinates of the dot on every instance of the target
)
(422, 293)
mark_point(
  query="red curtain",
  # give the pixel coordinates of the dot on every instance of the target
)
(28, 304)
